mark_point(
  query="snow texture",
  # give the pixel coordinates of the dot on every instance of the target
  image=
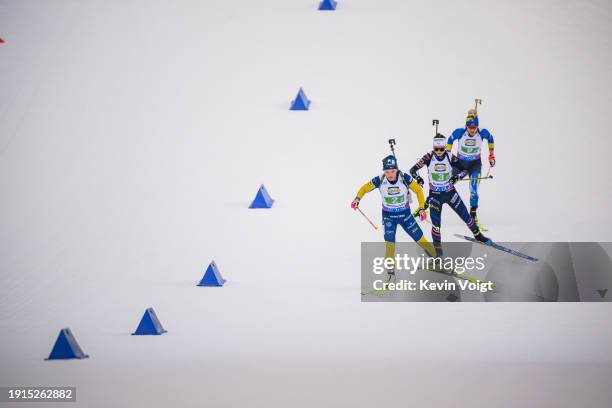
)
(134, 133)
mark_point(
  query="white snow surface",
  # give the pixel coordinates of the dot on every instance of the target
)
(133, 135)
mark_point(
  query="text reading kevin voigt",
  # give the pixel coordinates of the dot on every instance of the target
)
(397, 271)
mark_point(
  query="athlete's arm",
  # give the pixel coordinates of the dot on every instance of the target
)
(486, 135)
(457, 170)
(366, 188)
(451, 139)
(414, 186)
(423, 161)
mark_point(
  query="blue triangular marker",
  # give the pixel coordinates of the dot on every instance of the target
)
(66, 347)
(262, 199)
(301, 102)
(149, 324)
(328, 5)
(212, 276)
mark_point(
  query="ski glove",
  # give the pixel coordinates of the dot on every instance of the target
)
(422, 214)
(419, 180)
(355, 203)
(454, 179)
(492, 158)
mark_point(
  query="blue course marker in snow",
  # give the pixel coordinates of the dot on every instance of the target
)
(149, 324)
(212, 276)
(66, 347)
(328, 5)
(301, 102)
(262, 199)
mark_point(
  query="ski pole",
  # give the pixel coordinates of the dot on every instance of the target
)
(478, 178)
(435, 122)
(367, 219)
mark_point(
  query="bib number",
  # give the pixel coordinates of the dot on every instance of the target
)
(394, 200)
(440, 177)
(469, 150)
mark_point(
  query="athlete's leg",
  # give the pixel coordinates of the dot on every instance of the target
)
(411, 227)
(474, 182)
(390, 226)
(474, 171)
(457, 205)
(427, 246)
(435, 213)
(390, 251)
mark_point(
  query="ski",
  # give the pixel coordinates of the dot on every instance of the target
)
(500, 248)
(389, 277)
(374, 291)
(415, 214)
(453, 274)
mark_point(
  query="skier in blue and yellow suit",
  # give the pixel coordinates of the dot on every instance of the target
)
(469, 143)
(393, 186)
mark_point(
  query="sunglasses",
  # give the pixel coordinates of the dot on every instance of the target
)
(439, 149)
(472, 127)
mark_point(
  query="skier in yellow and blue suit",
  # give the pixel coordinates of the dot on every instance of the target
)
(393, 186)
(469, 143)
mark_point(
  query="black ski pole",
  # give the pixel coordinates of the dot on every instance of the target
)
(478, 178)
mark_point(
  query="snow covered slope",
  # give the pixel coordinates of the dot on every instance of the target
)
(133, 135)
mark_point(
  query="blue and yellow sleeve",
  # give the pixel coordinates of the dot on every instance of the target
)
(414, 186)
(456, 135)
(369, 186)
(486, 135)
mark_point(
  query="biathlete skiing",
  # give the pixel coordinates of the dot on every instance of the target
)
(469, 142)
(444, 171)
(393, 186)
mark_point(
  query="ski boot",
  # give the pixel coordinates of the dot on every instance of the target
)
(438, 248)
(390, 275)
(475, 218)
(479, 236)
(474, 215)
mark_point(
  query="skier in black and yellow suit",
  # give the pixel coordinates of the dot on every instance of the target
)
(393, 186)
